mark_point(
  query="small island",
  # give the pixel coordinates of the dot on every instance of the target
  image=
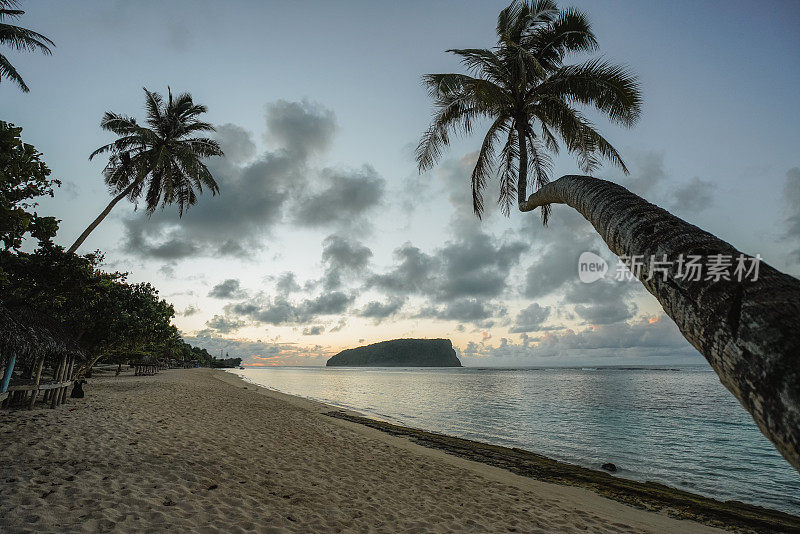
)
(399, 353)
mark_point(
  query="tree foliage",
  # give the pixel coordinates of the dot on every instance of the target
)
(107, 316)
(18, 38)
(23, 178)
(532, 99)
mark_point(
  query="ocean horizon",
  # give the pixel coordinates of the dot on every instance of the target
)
(673, 424)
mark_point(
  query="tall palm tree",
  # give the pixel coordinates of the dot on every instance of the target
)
(19, 39)
(164, 160)
(749, 331)
(524, 88)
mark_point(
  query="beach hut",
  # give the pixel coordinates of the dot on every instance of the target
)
(36, 357)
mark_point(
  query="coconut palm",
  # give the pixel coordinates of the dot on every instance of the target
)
(749, 330)
(19, 39)
(529, 95)
(163, 162)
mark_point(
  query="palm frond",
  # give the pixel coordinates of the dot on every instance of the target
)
(24, 39)
(7, 70)
(612, 89)
(508, 171)
(485, 163)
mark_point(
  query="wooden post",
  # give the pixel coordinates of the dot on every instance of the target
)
(62, 396)
(7, 374)
(35, 392)
(60, 373)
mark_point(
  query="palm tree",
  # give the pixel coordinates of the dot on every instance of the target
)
(749, 331)
(524, 88)
(18, 39)
(163, 159)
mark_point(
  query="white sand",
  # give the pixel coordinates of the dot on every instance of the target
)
(194, 451)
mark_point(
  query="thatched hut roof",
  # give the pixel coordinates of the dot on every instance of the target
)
(31, 335)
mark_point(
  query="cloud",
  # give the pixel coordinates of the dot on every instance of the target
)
(287, 283)
(411, 273)
(190, 310)
(530, 319)
(694, 196)
(313, 330)
(236, 142)
(254, 193)
(342, 257)
(302, 128)
(477, 266)
(178, 36)
(345, 197)
(224, 324)
(229, 289)
(465, 310)
(604, 301)
(281, 311)
(381, 310)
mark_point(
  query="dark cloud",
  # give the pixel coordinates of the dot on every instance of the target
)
(287, 283)
(253, 194)
(346, 197)
(179, 38)
(342, 257)
(190, 310)
(236, 142)
(313, 330)
(301, 128)
(381, 310)
(465, 310)
(459, 281)
(554, 267)
(412, 272)
(228, 289)
(224, 324)
(280, 311)
(604, 301)
(694, 196)
(476, 265)
(530, 319)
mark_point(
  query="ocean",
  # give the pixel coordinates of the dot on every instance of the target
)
(674, 425)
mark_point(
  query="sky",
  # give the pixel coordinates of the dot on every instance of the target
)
(324, 236)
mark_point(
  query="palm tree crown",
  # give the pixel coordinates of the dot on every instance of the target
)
(19, 39)
(165, 159)
(530, 96)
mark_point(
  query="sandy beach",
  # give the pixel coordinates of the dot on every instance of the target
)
(202, 451)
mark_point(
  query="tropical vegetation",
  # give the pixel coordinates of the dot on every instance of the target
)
(18, 38)
(748, 330)
(162, 161)
(531, 99)
(107, 317)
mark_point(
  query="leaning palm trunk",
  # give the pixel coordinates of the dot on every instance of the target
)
(749, 331)
(78, 242)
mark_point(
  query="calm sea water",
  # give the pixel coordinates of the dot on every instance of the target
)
(677, 426)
